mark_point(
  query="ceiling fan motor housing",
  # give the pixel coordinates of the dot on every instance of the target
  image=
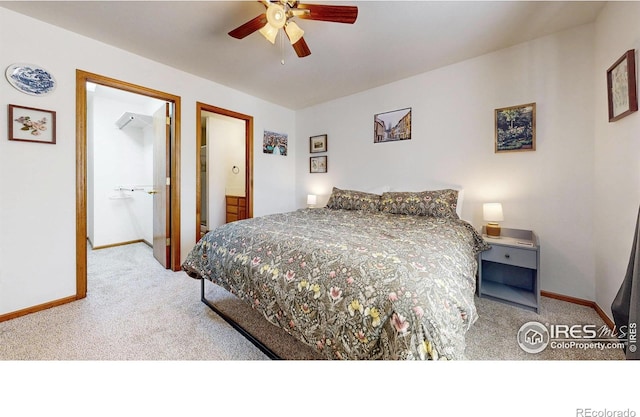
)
(276, 15)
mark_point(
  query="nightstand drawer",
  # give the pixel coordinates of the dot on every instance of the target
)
(511, 256)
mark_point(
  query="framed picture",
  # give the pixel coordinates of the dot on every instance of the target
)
(516, 128)
(318, 164)
(275, 143)
(318, 143)
(621, 87)
(392, 126)
(32, 125)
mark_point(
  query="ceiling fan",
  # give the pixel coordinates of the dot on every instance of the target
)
(279, 15)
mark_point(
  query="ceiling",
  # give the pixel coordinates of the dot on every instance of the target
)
(390, 40)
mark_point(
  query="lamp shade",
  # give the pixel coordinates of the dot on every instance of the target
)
(293, 32)
(492, 212)
(270, 32)
(311, 199)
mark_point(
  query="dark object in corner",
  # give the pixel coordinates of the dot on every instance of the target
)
(625, 305)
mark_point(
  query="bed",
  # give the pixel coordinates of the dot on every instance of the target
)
(369, 276)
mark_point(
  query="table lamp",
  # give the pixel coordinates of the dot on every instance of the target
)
(311, 200)
(492, 214)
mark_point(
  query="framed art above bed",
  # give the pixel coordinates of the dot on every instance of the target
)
(318, 164)
(318, 144)
(515, 128)
(392, 126)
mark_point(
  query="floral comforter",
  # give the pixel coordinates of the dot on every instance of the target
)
(351, 284)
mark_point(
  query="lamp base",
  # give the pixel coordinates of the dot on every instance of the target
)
(493, 230)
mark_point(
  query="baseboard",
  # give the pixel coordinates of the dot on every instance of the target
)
(581, 302)
(113, 245)
(35, 309)
(66, 300)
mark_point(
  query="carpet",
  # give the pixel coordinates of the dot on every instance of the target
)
(137, 310)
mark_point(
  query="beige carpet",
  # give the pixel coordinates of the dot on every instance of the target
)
(136, 310)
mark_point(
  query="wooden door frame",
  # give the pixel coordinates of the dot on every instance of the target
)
(82, 77)
(248, 131)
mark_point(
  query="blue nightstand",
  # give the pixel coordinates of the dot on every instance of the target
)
(508, 272)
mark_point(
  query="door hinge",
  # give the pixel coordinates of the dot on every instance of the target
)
(168, 180)
(168, 241)
(168, 120)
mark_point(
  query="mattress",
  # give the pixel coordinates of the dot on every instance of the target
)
(351, 284)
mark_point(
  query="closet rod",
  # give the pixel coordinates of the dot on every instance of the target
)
(134, 188)
(147, 189)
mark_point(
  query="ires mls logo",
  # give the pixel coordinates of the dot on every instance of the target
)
(631, 342)
(534, 337)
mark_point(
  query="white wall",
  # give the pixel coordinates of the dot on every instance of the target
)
(225, 149)
(549, 190)
(37, 182)
(617, 154)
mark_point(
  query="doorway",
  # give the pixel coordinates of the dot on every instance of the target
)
(123, 128)
(224, 155)
(165, 189)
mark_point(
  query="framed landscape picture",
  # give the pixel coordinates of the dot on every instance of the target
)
(275, 143)
(621, 87)
(318, 143)
(392, 126)
(515, 128)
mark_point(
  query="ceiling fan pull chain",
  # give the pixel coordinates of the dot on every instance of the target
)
(282, 47)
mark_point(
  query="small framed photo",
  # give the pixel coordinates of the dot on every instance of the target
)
(275, 143)
(621, 87)
(318, 164)
(32, 125)
(318, 143)
(516, 128)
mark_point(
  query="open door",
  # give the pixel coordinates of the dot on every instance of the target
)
(173, 210)
(161, 186)
(202, 111)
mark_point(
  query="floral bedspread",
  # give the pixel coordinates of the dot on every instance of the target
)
(351, 284)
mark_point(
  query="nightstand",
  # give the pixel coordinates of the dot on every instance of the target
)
(508, 272)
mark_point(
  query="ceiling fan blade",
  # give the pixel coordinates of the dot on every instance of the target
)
(301, 48)
(249, 27)
(339, 14)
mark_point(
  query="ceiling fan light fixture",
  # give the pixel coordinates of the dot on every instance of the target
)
(293, 32)
(270, 32)
(276, 16)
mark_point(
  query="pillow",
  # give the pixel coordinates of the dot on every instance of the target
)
(436, 186)
(439, 203)
(353, 200)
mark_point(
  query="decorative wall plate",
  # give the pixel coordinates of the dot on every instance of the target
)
(30, 79)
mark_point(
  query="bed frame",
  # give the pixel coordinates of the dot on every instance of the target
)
(257, 343)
